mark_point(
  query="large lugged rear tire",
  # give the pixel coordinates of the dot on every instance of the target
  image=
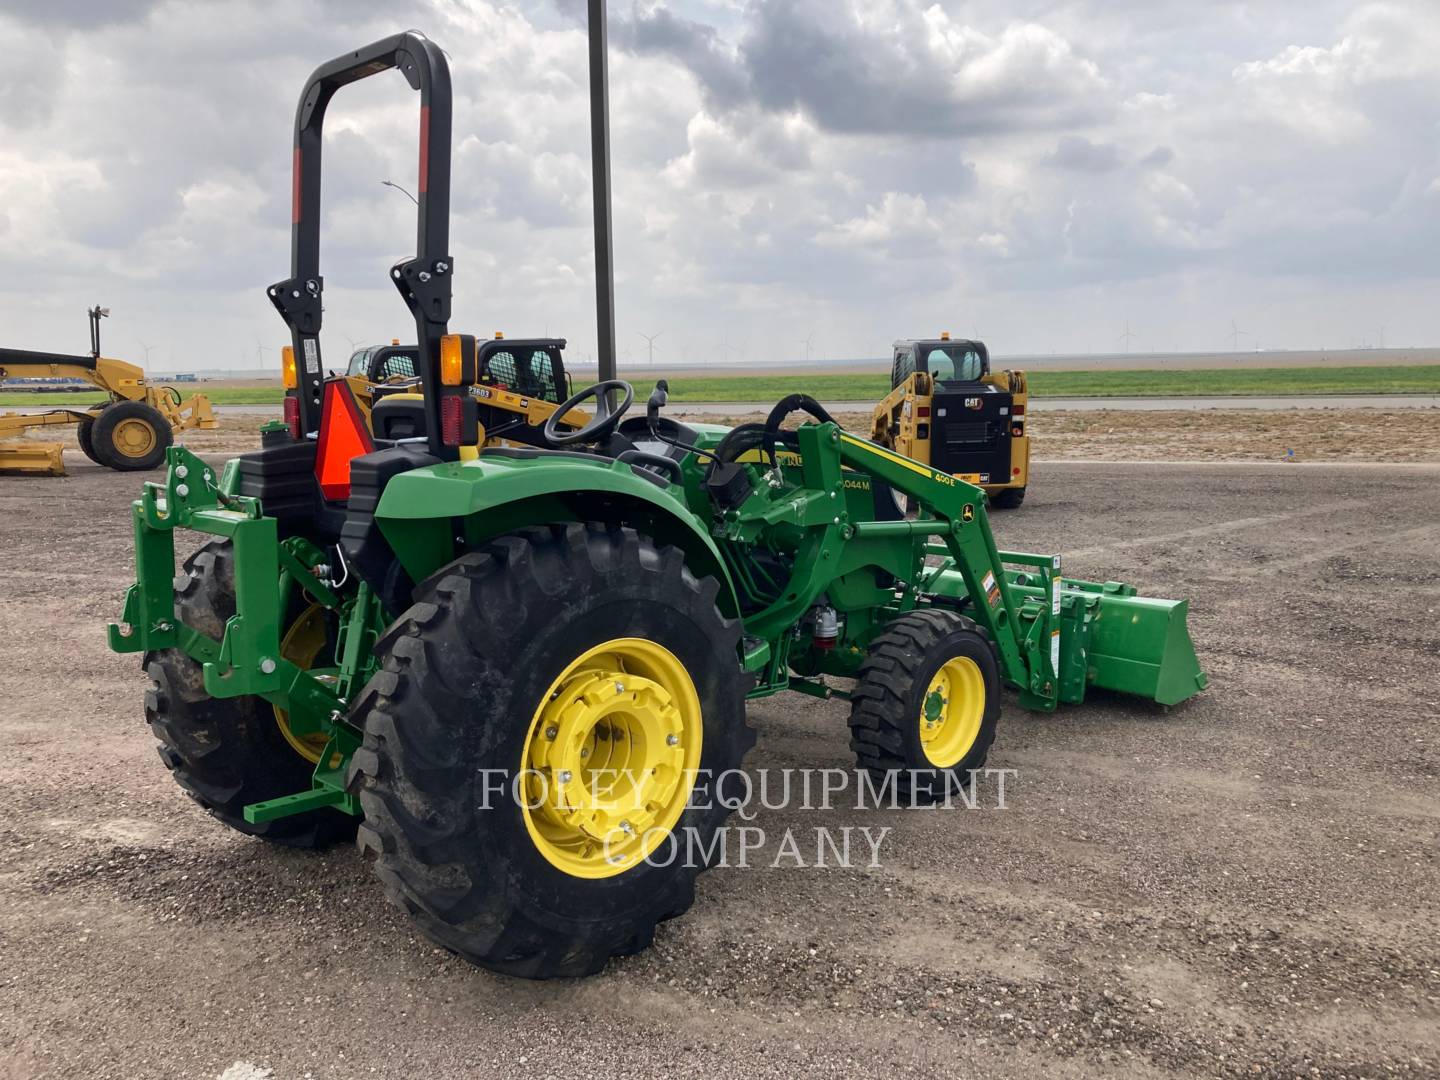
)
(575, 640)
(130, 436)
(227, 752)
(926, 704)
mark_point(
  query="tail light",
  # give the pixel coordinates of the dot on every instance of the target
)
(1018, 410)
(292, 415)
(452, 417)
(922, 410)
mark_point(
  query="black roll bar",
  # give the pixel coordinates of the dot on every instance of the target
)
(424, 281)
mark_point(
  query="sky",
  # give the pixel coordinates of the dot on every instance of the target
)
(792, 177)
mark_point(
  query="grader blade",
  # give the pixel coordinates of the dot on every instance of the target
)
(32, 458)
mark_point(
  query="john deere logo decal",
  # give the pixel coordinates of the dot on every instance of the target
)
(967, 512)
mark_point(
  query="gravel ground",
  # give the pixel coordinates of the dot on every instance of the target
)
(1368, 435)
(1246, 884)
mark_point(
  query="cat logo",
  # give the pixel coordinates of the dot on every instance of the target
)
(974, 403)
(967, 513)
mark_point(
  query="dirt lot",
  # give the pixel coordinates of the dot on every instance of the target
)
(1118, 435)
(1246, 884)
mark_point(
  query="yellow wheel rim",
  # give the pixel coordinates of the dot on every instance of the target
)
(302, 646)
(134, 438)
(951, 712)
(610, 758)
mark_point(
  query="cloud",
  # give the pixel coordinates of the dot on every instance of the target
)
(856, 166)
(1079, 153)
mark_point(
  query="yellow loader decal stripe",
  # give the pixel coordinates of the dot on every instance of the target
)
(896, 459)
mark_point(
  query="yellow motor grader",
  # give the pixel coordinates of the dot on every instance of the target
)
(129, 432)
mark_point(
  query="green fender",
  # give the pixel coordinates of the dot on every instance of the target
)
(424, 512)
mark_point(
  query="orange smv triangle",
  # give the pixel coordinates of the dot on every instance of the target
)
(343, 436)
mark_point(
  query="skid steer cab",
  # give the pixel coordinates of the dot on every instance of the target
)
(512, 659)
(948, 409)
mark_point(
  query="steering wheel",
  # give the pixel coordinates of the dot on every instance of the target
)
(607, 413)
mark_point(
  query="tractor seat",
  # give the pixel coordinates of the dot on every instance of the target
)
(398, 416)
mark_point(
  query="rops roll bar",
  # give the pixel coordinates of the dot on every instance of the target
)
(424, 281)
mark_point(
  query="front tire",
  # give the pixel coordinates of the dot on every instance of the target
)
(547, 643)
(926, 704)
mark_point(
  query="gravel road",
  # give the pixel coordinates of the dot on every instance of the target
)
(1248, 884)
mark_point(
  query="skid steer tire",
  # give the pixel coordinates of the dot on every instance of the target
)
(1009, 499)
(131, 436)
(227, 752)
(84, 435)
(888, 719)
(469, 677)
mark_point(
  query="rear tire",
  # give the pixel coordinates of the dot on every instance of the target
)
(227, 752)
(888, 721)
(84, 435)
(131, 436)
(467, 674)
(1009, 499)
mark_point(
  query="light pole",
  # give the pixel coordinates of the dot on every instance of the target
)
(397, 187)
(600, 178)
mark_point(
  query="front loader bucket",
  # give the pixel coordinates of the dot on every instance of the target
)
(1142, 646)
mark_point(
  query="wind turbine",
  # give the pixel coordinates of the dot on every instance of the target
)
(147, 349)
(650, 341)
(807, 343)
(1127, 336)
(1235, 335)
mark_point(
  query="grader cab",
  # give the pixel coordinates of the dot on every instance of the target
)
(517, 668)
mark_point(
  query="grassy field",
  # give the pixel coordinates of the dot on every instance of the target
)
(1255, 382)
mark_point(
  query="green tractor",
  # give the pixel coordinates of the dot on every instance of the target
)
(517, 670)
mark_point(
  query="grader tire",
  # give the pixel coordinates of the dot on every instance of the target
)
(227, 752)
(131, 436)
(85, 436)
(477, 675)
(1009, 499)
(893, 735)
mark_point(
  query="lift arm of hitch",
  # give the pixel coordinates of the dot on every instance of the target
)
(246, 660)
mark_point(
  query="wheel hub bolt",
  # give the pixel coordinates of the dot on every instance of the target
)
(626, 828)
(551, 732)
(619, 687)
(672, 740)
(566, 776)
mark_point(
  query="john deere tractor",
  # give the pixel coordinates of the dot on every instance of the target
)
(517, 669)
